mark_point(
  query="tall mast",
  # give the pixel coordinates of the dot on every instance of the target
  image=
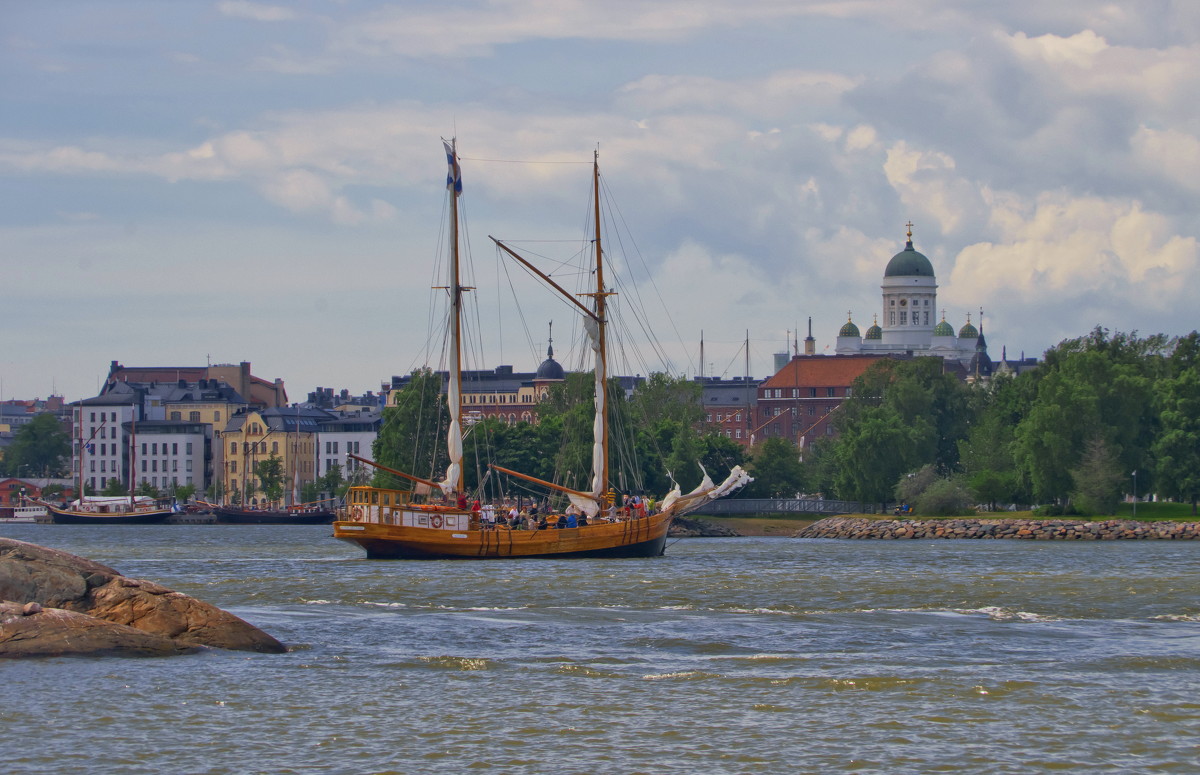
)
(600, 426)
(454, 389)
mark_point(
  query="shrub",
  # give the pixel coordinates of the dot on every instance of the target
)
(944, 498)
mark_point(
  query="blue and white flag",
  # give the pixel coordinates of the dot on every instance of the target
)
(454, 175)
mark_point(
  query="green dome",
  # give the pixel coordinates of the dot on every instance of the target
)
(909, 263)
(874, 332)
(968, 331)
(943, 329)
(849, 329)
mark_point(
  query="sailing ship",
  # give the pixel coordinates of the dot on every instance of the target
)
(389, 523)
(109, 509)
(299, 514)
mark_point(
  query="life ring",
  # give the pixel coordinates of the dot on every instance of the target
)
(357, 514)
(435, 520)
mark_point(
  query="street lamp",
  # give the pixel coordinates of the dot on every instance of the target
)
(1135, 493)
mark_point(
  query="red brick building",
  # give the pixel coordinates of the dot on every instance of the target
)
(799, 402)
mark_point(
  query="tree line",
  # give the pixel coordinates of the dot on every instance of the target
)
(1103, 414)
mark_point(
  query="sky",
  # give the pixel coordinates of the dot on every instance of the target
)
(213, 182)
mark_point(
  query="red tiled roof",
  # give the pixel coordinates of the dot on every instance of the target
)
(821, 371)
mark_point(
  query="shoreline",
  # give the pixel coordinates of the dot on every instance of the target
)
(1050, 529)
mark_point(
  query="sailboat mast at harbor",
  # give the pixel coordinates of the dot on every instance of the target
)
(391, 523)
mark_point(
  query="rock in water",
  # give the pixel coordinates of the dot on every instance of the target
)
(59, 580)
(53, 632)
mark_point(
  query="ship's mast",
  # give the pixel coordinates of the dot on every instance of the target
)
(454, 389)
(600, 427)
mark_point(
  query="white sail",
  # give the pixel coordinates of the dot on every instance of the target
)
(454, 447)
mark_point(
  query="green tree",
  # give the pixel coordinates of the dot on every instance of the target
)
(1095, 385)
(145, 488)
(944, 497)
(184, 492)
(1098, 479)
(270, 476)
(986, 454)
(775, 466)
(910, 486)
(333, 481)
(40, 447)
(412, 435)
(114, 487)
(1176, 451)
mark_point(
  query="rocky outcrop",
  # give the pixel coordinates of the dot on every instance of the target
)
(1027, 529)
(33, 631)
(81, 596)
(682, 527)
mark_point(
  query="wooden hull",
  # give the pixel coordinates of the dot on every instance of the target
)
(69, 517)
(256, 517)
(644, 537)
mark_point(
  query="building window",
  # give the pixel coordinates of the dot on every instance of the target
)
(189, 448)
(812, 392)
(216, 417)
(892, 318)
(174, 448)
(274, 447)
(831, 392)
(176, 415)
(233, 466)
(143, 466)
(903, 318)
(926, 316)
(188, 467)
(193, 416)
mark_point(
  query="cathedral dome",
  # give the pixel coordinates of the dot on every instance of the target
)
(943, 329)
(849, 329)
(968, 331)
(874, 333)
(908, 262)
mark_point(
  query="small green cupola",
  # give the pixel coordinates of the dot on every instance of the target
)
(968, 331)
(943, 328)
(849, 329)
(875, 333)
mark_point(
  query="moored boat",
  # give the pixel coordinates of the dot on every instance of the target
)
(26, 513)
(109, 510)
(290, 516)
(390, 523)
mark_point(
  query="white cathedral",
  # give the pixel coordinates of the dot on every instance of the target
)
(910, 321)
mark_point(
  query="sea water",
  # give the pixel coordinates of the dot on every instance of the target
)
(743, 655)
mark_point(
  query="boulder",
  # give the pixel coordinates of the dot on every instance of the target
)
(33, 631)
(59, 580)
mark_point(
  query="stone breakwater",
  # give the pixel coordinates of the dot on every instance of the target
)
(1028, 529)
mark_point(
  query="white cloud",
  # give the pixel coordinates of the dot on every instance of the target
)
(259, 12)
(1063, 248)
